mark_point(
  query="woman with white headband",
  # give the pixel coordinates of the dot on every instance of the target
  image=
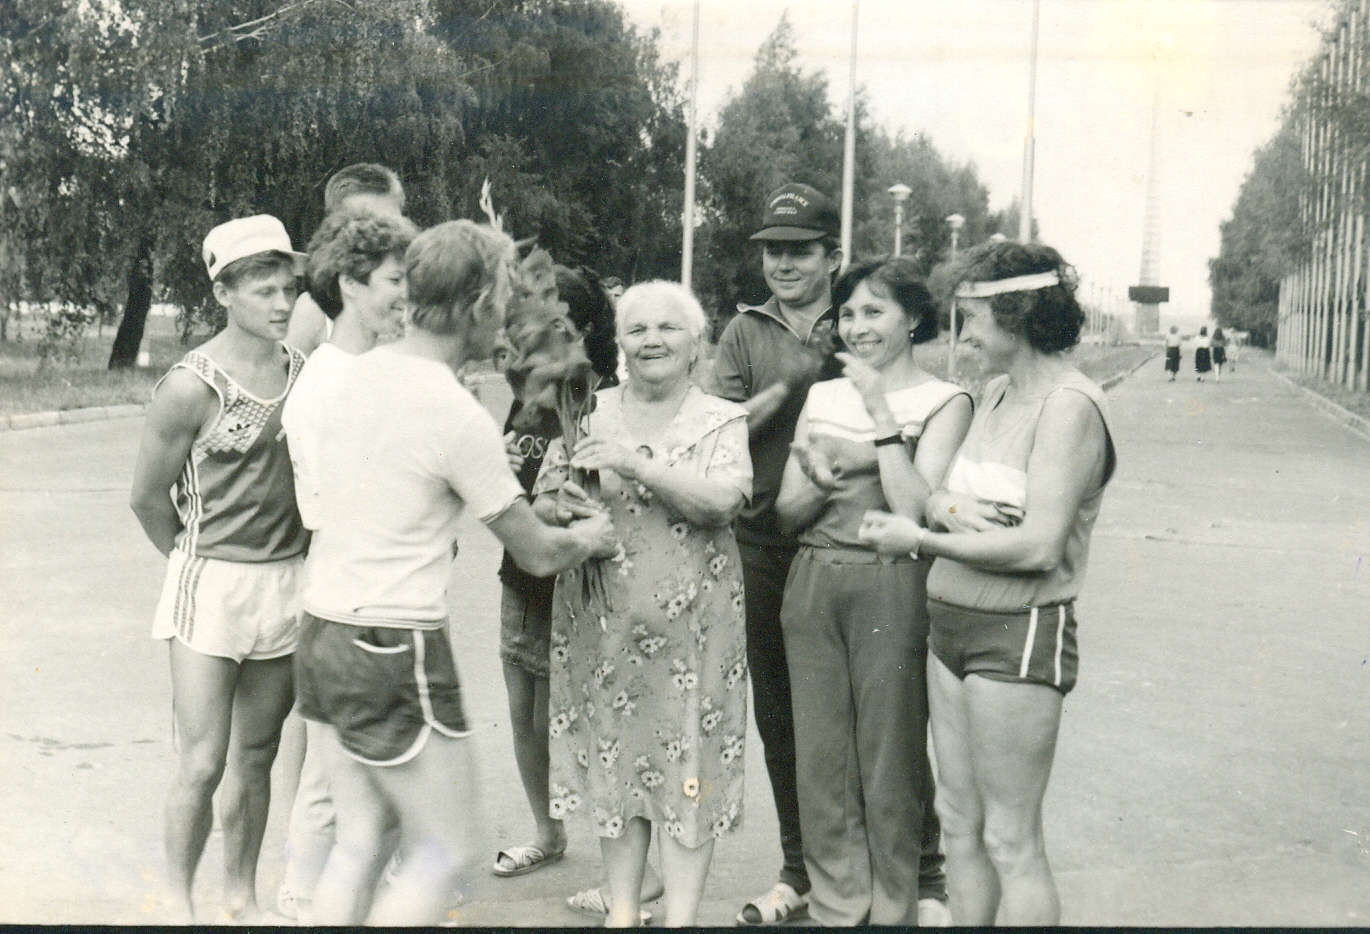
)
(1010, 532)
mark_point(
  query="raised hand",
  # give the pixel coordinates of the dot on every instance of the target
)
(869, 382)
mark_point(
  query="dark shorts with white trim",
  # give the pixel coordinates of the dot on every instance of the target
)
(385, 690)
(1034, 646)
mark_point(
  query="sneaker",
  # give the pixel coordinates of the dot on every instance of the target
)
(777, 906)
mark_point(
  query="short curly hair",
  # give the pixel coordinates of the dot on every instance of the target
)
(353, 243)
(894, 278)
(1050, 318)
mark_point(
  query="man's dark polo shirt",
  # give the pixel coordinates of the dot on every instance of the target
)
(747, 363)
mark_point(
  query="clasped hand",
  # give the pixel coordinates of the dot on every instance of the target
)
(815, 463)
(962, 512)
(577, 510)
(594, 453)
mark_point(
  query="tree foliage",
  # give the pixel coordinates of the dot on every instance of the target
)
(1262, 240)
(128, 128)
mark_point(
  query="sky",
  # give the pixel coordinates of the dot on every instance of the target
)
(958, 71)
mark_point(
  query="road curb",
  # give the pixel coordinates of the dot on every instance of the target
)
(1117, 378)
(99, 413)
(1357, 424)
(96, 413)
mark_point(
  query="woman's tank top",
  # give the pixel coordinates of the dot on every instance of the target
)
(236, 494)
(992, 465)
(846, 434)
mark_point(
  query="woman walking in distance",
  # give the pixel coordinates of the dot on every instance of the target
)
(649, 679)
(856, 625)
(235, 544)
(1010, 533)
(1172, 352)
(401, 456)
(1219, 352)
(1203, 355)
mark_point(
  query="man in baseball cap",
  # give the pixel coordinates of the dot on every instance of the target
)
(214, 491)
(799, 213)
(768, 357)
(247, 237)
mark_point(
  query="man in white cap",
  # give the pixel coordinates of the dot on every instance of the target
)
(232, 533)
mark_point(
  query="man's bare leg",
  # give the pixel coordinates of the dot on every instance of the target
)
(263, 698)
(435, 795)
(362, 846)
(202, 688)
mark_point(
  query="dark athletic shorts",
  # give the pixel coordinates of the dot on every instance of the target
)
(384, 690)
(1034, 646)
(525, 632)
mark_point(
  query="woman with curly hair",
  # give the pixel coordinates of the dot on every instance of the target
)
(1010, 533)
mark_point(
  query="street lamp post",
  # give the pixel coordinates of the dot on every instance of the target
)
(901, 194)
(956, 221)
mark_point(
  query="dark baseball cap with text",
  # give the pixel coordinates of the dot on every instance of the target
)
(797, 212)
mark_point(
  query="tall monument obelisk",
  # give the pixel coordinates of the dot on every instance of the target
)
(1148, 295)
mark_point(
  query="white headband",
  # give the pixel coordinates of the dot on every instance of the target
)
(1038, 280)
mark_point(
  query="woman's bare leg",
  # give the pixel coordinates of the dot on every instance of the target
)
(684, 871)
(1013, 730)
(972, 883)
(625, 860)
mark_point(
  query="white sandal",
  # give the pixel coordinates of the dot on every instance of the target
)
(596, 902)
(777, 906)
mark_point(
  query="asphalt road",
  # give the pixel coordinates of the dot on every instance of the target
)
(1212, 766)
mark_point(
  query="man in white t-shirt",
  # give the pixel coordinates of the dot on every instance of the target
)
(356, 273)
(398, 464)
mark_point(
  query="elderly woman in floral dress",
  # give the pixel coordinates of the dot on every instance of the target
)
(649, 683)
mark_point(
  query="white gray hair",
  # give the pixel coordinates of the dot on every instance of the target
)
(660, 291)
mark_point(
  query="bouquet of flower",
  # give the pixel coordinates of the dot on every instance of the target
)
(549, 371)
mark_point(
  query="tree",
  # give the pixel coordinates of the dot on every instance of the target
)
(781, 128)
(1262, 241)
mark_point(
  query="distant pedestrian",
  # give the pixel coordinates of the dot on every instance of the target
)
(235, 543)
(1010, 530)
(1172, 352)
(1219, 352)
(1203, 357)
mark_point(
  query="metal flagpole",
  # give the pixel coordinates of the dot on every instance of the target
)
(849, 150)
(1030, 144)
(687, 251)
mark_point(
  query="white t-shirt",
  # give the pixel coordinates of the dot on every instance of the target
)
(402, 450)
(315, 390)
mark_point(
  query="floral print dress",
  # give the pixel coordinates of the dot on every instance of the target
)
(649, 696)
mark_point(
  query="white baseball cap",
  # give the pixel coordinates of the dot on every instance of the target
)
(248, 236)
